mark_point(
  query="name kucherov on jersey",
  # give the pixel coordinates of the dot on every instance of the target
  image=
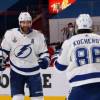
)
(86, 41)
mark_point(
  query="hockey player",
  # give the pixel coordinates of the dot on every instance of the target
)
(80, 57)
(28, 54)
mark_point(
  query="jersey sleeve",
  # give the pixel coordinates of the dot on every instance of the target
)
(43, 51)
(6, 41)
(64, 54)
(63, 59)
(5, 45)
(44, 59)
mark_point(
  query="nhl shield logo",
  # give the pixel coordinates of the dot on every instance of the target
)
(14, 40)
(32, 41)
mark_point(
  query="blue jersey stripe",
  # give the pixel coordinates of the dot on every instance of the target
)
(42, 53)
(60, 66)
(6, 51)
(26, 69)
(85, 77)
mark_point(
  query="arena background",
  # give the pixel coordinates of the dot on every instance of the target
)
(53, 25)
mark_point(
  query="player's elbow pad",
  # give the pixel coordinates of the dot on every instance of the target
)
(43, 63)
(60, 66)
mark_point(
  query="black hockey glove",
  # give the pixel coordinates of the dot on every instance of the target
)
(43, 63)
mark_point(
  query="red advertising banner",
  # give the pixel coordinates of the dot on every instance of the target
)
(56, 6)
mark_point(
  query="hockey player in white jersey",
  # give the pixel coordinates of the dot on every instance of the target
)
(80, 57)
(28, 53)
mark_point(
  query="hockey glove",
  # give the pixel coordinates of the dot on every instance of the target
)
(43, 63)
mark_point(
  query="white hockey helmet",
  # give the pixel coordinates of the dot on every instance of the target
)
(24, 16)
(84, 21)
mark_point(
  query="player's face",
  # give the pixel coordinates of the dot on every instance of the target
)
(71, 28)
(25, 26)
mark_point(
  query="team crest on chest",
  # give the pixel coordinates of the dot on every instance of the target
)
(23, 51)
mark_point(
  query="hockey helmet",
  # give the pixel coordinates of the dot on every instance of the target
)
(24, 16)
(84, 21)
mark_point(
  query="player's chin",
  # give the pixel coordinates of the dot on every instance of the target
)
(25, 29)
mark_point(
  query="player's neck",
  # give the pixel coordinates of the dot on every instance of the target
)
(25, 32)
(82, 31)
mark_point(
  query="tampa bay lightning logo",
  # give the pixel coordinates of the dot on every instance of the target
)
(23, 51)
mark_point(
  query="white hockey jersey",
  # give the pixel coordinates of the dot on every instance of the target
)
(24, 50)
(81, 55)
